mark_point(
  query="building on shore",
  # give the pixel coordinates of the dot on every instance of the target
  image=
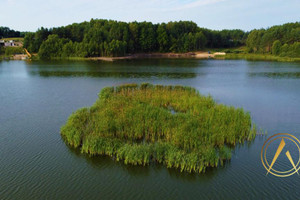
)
(10, 43)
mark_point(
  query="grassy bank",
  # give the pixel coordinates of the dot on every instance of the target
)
(242, 53)
(11, 52)
(16, 39)
(171, 125)
(155, 55)
(262, 57)
(229, 56)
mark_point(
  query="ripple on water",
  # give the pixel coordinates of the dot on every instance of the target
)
(37, 98)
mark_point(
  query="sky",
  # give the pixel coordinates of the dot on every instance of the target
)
(29, 15)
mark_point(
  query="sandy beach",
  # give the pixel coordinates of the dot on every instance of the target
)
(197, 55)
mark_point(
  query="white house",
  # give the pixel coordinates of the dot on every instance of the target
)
(10, 43)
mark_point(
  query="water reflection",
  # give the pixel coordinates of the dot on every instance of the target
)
(113, 74)
(38, 165)
(275, 74)
(154, 68)
(101, 162)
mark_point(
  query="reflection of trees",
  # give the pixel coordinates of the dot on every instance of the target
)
(113, 74)
(144, 68)
(275, 74)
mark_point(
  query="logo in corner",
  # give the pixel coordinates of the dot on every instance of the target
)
(287, 144)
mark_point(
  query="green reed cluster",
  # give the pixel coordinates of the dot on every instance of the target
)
(172, 125)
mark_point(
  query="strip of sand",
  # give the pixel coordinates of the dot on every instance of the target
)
(197, 55)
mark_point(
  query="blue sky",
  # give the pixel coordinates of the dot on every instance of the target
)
(29, 15)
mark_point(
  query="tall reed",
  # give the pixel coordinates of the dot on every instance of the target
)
(172, 125)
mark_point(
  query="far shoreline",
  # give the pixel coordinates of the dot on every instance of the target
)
(189, 55)
(197, 55)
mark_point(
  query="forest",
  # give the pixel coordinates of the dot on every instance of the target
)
(100, 37)
(6, 32)
(113, 38)
(171, 125)
(283, 40)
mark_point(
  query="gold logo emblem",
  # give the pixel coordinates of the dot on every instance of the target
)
(284, 139)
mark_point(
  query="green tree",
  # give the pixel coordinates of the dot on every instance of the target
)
(68, 49)
(284, 50)
(115, 48)
(267, 41)
(6, 32)
(254, 40)
(29, 41)
(51, 48)
(276, 47)
(134, 45)
(162, 38)
(200, 40)
(147, 39)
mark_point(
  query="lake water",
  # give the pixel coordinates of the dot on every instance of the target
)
(36, 99)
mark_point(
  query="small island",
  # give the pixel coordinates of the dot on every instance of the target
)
(172, 125)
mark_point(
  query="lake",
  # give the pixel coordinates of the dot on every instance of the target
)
(37, 97)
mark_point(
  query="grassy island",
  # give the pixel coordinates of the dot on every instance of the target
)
(172, 125)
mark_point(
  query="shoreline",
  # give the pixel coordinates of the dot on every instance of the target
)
(197, 55)
(191, 55)
(259, 57)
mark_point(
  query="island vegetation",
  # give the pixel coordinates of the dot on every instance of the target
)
(171, 125)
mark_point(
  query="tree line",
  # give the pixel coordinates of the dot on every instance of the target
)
(283, 40)
(6, 32)
(113, 38)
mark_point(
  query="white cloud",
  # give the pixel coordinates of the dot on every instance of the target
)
(193, 4)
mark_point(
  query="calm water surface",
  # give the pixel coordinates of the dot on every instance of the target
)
(36, 99)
